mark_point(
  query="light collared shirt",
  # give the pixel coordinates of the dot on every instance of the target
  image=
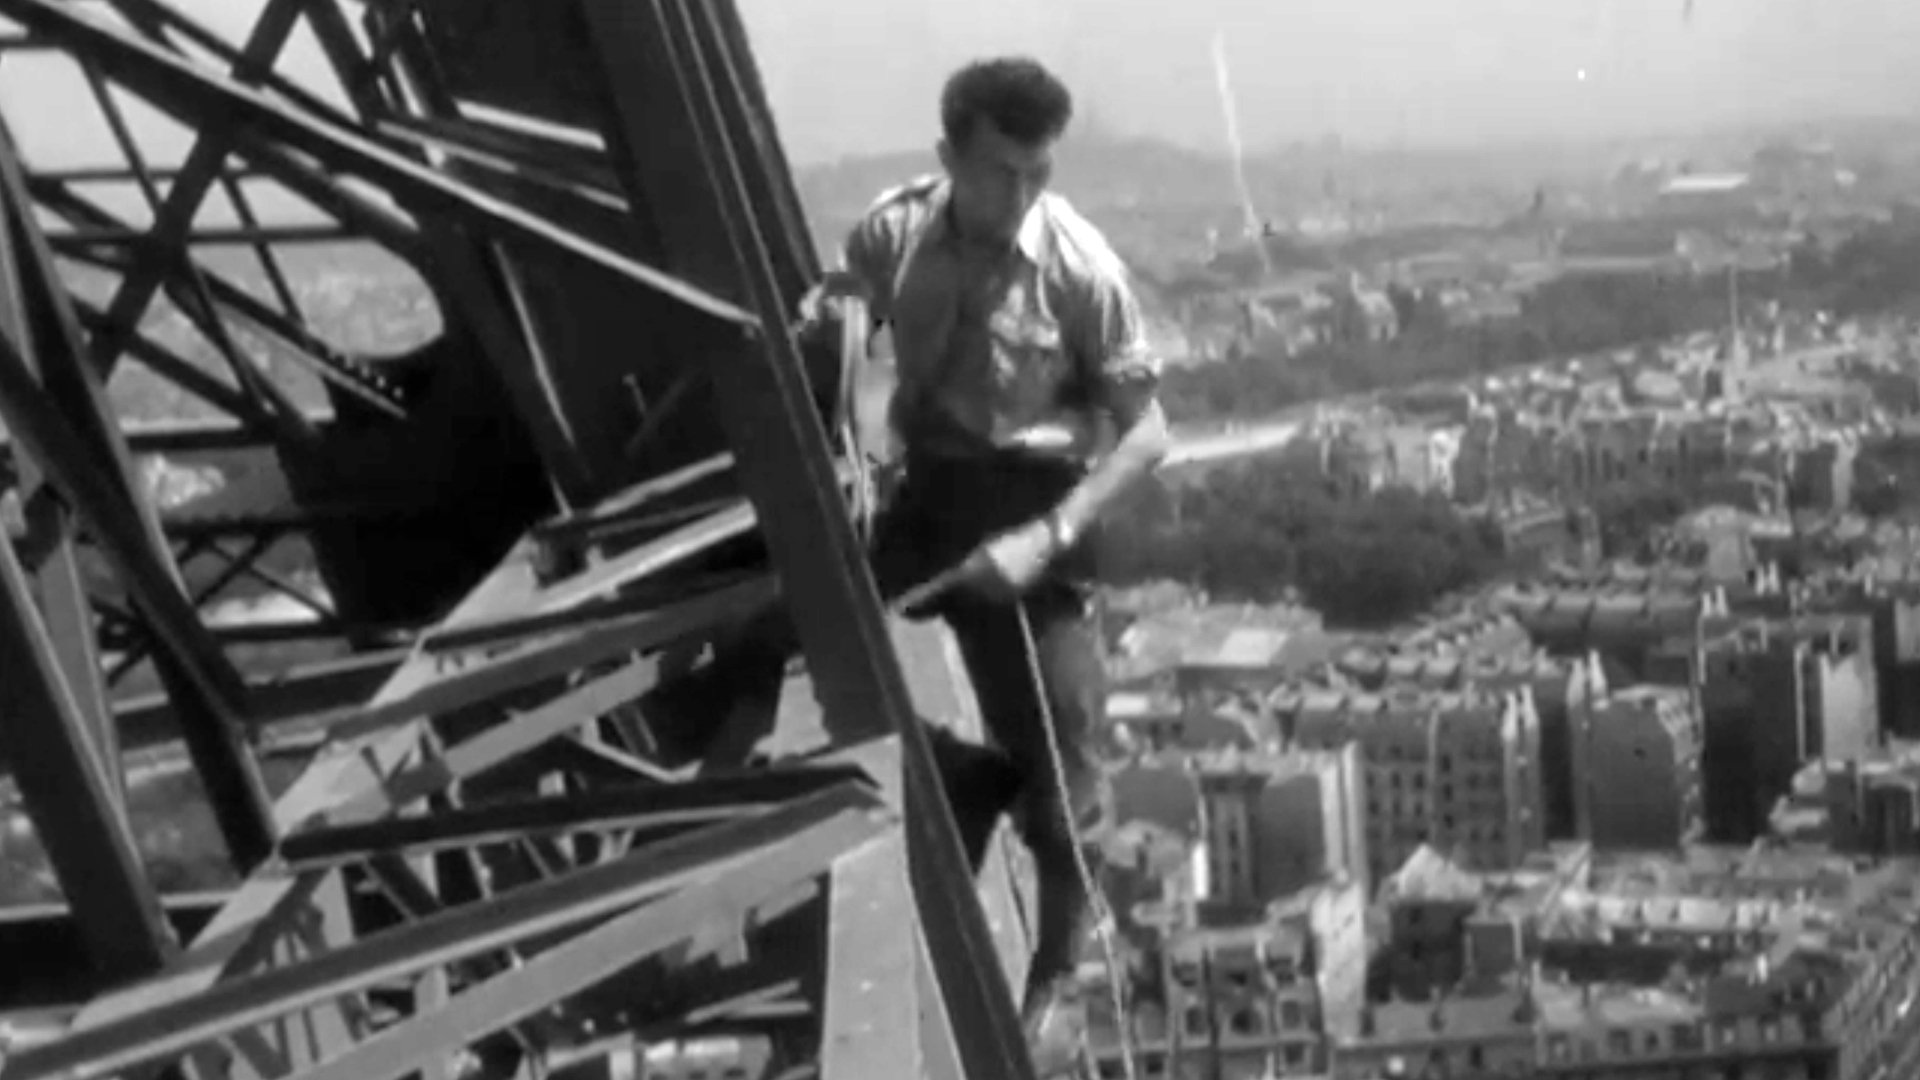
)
(992, 344)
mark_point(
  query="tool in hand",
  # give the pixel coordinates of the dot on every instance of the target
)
(974, 565)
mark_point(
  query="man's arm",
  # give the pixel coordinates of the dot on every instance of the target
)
(1121, 374)
(865, 273)
(1124, 377)
(868, 261)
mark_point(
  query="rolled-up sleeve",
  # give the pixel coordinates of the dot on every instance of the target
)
(1121, 365)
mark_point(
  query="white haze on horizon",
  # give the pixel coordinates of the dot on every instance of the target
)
(863, 76)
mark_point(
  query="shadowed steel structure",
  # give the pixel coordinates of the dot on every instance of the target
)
(526, 837)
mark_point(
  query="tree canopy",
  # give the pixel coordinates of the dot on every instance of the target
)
(1250, 534)
(1875, 270)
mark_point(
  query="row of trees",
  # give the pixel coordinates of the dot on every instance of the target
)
(1887, 476)
(1565, 317)
(1253, 535)
(1875, 270)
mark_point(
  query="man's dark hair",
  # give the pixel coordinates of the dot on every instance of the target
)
(1017, 95)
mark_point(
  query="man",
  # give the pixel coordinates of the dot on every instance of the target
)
(1024, 401)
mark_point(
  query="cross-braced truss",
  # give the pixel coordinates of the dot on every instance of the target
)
(457, 329)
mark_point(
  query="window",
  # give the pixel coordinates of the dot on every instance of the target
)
(1245, 1021)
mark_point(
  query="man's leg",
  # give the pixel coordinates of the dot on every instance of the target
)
(1002, 658)
(979, 782)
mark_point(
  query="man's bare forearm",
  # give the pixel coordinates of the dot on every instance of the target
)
(1134, 457)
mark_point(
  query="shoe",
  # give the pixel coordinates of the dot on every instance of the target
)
(1054, 1020)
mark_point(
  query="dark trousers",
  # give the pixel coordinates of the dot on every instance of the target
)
(1053, 656)
(946, 509)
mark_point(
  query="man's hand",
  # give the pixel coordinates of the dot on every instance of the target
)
(834, 285)
(1013, 561)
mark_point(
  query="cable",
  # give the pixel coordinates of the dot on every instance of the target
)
(854, 342)
(1096, 897)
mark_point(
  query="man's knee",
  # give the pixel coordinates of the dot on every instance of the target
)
(981, 784)
(1054, 826)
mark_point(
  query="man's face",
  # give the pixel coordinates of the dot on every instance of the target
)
(996, 180)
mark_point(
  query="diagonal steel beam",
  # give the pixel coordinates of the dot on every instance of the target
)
(51, 550)
(189, 94)
(870, 1025)
(72, 806)
(82, 395)
(181, 372)
(158, 18)
(62, 420)
(542, 908)
(549, 658)
(497, 745)
(595, 956)
(467, 274)
(204, 293)
(45, 431)
(366, 757)
(189, 659)
(174, 219)
(676, 806)
(211, 289)
(665, 111)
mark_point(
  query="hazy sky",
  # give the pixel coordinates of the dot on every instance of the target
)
(864, 75)
(861, 76)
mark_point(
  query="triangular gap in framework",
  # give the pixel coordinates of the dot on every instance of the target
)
(241, 264)
(160, 141)
(227, 21)
(353, 293)
(306, 65)
(50, 138)
(302, 63)
(229, 267)
(159, 399)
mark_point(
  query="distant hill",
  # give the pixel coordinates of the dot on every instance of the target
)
(1102, 176)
